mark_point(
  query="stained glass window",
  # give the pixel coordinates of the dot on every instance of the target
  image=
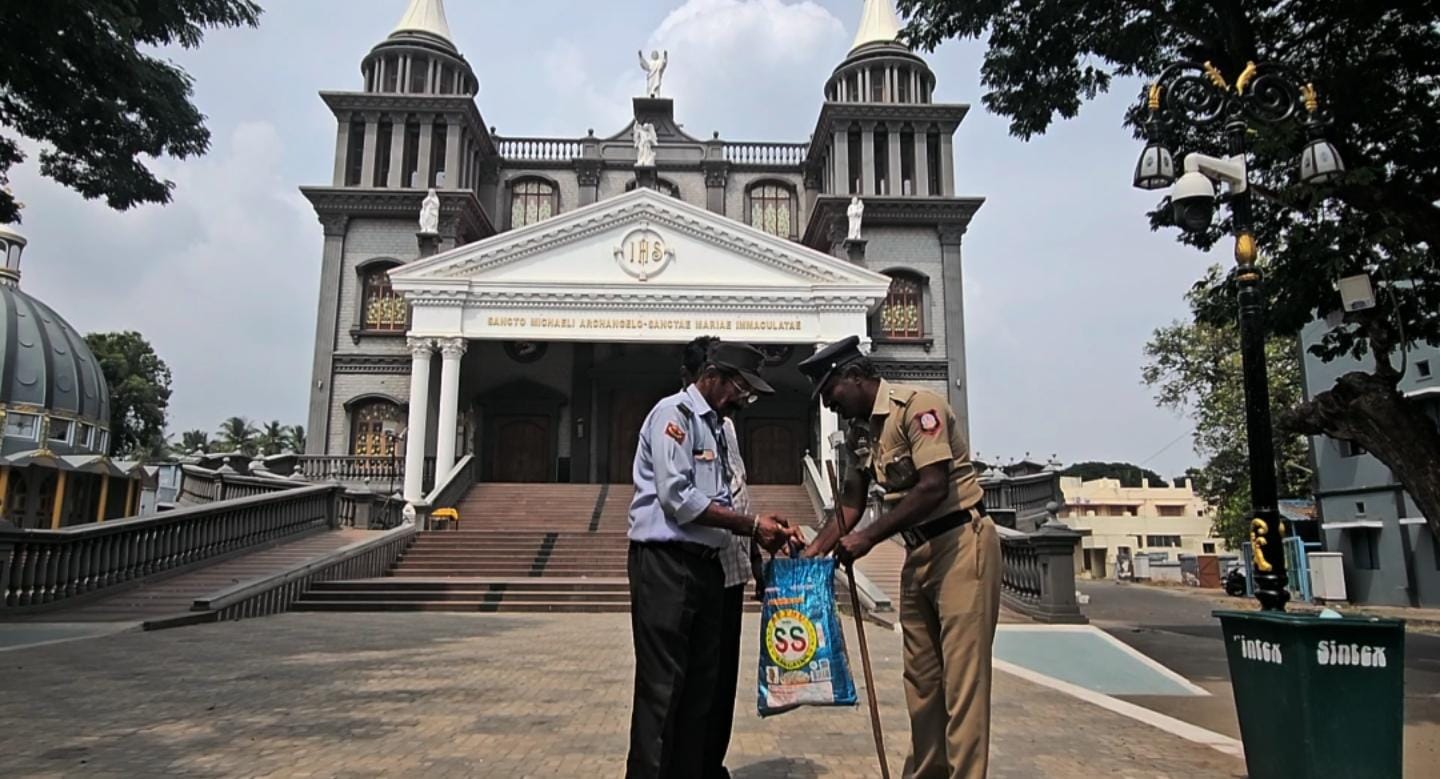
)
(531, 201)
(772, 209)
(902, 314)
(375, 428)
(384, 310)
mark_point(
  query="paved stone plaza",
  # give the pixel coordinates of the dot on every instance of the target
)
(472, 695)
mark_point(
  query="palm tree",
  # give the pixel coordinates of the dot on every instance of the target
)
(194, 441)
(271, 439)
(238, 435)
(295, 439)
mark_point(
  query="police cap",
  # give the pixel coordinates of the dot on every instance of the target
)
(820, 366)
(743, 359)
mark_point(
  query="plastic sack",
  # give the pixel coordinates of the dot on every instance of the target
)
(802, 646)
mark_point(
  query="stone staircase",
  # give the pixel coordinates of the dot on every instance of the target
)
(521, 547)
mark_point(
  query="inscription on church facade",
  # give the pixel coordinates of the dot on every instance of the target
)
(649, 324)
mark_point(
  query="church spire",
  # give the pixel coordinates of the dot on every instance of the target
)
(878, 24)
(426, 17)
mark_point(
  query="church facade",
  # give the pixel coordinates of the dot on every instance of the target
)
(537, 310)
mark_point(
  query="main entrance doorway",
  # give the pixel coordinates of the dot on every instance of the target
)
(521, 448)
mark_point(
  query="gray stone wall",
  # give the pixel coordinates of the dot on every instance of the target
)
(565, 181)
(916, 249)
(740, 181)
(346, 386)
(369, 239)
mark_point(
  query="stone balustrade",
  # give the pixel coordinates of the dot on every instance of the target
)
(43, 567)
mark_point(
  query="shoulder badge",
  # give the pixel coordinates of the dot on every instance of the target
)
(929, 422)
(673, 430)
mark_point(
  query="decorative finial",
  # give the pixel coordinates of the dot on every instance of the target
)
(1215, 77)
(1245, 76)
(1311, 98)
(1155, 97)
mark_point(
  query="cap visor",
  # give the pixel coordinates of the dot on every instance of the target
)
(820, 383)
(756, 383)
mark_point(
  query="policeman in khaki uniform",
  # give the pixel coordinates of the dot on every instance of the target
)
(904, 439)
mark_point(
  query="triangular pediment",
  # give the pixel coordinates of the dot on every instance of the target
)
(638, 243)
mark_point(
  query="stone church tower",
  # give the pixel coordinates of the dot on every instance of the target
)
(488, 355)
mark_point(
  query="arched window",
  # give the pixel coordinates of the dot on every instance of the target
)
(375, 428)
(772, 209)
(381, 309)
(902, 316)
(531, 201)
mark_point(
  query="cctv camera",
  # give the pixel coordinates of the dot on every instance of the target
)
(1193, 198)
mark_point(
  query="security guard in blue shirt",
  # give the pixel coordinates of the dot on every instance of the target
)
(680, 519)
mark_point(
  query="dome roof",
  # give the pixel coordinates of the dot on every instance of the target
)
(49, 370)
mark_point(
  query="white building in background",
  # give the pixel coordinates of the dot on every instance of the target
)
(1128, 521)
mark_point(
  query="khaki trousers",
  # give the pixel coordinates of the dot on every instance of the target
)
(949, 604)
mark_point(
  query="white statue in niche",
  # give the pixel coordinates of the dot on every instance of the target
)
(654, 67)
(856, 214)
(430, 213)
(645, 140)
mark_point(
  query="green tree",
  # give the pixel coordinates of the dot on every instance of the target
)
(1195, 369)
(1375, 67)
(271, 439)
(238, 435)
(194, 441)
(139, 383)
(80, 78)
(295, 439)
(1128, 474)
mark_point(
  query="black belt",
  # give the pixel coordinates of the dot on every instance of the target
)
(918, 536)
(699, 550)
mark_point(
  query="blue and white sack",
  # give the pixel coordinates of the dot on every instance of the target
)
(802, 646)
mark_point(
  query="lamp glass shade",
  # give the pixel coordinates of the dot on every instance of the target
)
(1320, 162)
(1155, 168)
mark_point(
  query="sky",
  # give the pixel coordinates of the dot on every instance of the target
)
(1064, 281)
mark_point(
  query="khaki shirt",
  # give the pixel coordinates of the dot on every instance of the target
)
(910, 428)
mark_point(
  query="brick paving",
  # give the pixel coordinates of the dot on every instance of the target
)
(442, 695)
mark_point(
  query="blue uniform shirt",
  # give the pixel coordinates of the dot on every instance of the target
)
(679, 471)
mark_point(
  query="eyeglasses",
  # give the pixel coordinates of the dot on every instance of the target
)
(747, 395)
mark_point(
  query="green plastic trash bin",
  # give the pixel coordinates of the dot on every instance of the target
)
(1317, 697)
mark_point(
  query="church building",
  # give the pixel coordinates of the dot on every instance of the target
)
(537, 307)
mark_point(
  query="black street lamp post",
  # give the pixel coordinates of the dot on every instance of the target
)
(1198, 96)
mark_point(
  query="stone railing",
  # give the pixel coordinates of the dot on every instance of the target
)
(376, 473)
(539, 149)
(356, 508)
(43, 567)
(450, 490)
(274, 594)
(1021, 502)
(761, 153)
(1038, 573)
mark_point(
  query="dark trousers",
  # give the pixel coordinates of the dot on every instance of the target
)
(675, 614)
(722, 708)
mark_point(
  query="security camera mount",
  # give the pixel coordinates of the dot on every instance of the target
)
(1229, 171)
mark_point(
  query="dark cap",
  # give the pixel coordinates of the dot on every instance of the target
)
(745, 360)
(821, 365)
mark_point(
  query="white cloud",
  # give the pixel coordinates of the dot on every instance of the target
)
(217, 280)
(763, 58)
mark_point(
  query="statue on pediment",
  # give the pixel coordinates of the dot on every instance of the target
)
(645, 140)
(430, 213)
(856, 214)
(654, 68)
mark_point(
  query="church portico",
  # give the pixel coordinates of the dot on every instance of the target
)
(556, 339)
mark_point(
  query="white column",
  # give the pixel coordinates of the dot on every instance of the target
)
(829, 425)
(451, 350)
(420, 349)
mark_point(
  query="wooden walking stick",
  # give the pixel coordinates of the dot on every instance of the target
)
(860, 636)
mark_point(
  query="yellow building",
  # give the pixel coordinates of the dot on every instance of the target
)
(1127, 521)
